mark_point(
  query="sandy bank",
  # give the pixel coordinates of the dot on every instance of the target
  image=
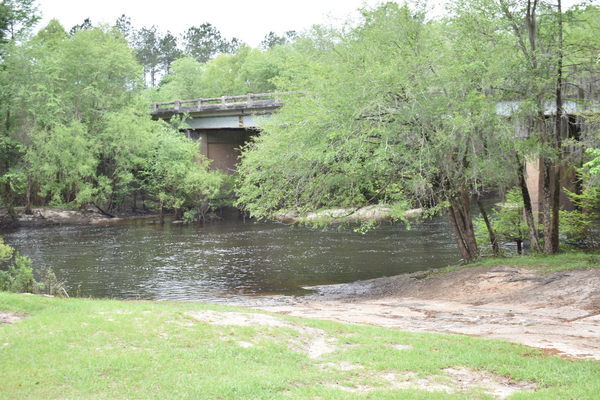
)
(557, 311)
(48, 216)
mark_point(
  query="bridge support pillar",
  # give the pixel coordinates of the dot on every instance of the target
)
(203, 139)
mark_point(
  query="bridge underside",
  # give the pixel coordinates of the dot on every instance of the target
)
(222, 146)
(222, 125)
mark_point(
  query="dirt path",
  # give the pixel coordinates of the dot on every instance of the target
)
(556, 311)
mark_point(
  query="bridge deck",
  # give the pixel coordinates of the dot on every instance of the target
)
(249, 102)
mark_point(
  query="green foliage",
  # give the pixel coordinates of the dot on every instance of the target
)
(506, 220)
(578, 225)
(147, 45)
(247, 71)
(592, 167)
(16, 17)
(375, 120)
(12, 174)
(272, 39)
(178, 175)
(184, 81)
(575, 225)
(77, 128)
(205, 41)
(68, 177)
(16, 274)
(539, 262)
(156, 51)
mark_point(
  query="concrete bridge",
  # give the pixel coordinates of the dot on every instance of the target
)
(221, 124)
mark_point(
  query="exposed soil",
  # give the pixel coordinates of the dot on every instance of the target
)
(10, 318)
(453, 380)
(311, 341)
(316, 344)
(559, 311)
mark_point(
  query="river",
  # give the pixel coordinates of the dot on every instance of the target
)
(225, 261)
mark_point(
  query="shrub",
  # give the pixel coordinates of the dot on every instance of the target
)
(16, 274)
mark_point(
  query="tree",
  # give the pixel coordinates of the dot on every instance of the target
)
(148, 52)
(123, 24)
(272, 39)
(16, 17)
(375, 120)
(205, 41)
(85, 25)
(184, 81)
(70, 177)
(179, 176)
(156, 52)
(75, 128)
(553, 54)
(61, 88)
(507, 221)
(169, 52)
(247, 71)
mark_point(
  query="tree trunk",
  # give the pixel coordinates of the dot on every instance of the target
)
(161, 213)
(528, 209)
(519, 246)
(152, 77)
(552, 168)
(28, 197)
(179, 214)
(462, 247)
(490, 229)
(103, 212)
(461, 221)
(551, 206)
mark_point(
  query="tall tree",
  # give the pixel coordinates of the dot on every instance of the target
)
(272, 39)
(537, 81)
(123, 24)
(85, 25)
(147, 47)
(16, 17)
(169, 51)
(205, 41)
(375, 120)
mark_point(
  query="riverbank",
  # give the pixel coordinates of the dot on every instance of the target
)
(552, 303)
(49, 216)
(82, 349)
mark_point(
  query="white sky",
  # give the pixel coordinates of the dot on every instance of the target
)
(249, 20)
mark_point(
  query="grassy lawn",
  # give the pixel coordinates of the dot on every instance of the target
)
(101, 349)
(539, 262)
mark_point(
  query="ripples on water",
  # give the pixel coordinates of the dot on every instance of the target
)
(226, 260)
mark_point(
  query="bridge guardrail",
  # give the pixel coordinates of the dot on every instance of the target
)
(211, 103)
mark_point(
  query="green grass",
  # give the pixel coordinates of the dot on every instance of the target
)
(540, 262)
(102, 349)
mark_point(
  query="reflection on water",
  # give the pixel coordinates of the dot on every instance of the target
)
(226, 260)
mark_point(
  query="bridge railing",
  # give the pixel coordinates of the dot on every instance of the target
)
(211, 103)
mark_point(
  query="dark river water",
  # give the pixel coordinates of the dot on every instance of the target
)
(227, 260)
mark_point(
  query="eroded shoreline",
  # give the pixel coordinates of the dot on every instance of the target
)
(558, 312)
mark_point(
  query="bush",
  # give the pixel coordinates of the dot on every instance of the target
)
(16, 274)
